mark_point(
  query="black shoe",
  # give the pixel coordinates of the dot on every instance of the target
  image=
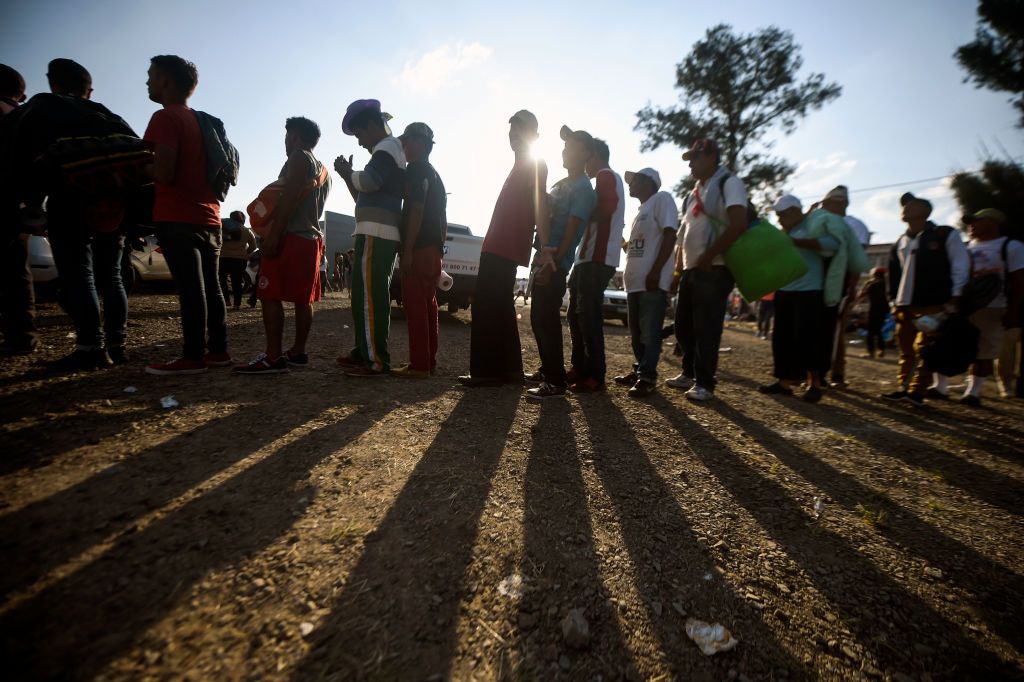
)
(83, 360)
(118, 355)
(914, 399)
(812, 395)
(895, 396)
(641, 389)
(971, 401)
(479, 382)
(535, 378)
(545, 391)
(297, 359)
(775, 389)
(936, 394)
(626, 379)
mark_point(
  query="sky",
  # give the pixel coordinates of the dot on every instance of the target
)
(905, 117)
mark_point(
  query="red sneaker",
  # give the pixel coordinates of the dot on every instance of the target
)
(587, 386)
(218, 360)
(179, 366)
(349, 361)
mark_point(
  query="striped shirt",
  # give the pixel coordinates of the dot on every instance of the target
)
(381, 188)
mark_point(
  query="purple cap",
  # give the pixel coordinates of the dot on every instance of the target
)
(357, 107)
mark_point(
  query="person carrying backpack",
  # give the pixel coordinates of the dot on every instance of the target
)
(186, 214)
(998, 257)
(239, 243)
(714, 217)
(928, 268)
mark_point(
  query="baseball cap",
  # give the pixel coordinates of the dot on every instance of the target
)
(702, 145)
(992, 213)
(907, 197)
(418, 129)
(785, 202)
(581, 136)
(649, 172)
(358, 107)
(526, 119)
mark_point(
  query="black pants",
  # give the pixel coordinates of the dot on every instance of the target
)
(796, 339)
(235, 269)
(494, 349)
(586, 318)
(765, 312)
(89, 266)
(829, 329)
(875, 340)
(17, 298)
(700, 316)
(192, 253)
(546, 320)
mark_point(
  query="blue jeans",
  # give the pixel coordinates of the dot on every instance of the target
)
(700, 316)
(546, 320)
(89, 268)
(586, 318)
(646, 310)
(193, 254)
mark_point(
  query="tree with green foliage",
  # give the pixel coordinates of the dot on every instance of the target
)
(1000, 184)
(736, 89)
(995, 58)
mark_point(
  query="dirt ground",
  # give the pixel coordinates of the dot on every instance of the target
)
(312, 526)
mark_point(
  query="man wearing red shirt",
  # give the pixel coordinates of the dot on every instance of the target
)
(187, 217)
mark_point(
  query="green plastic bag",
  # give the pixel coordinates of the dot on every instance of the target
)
(763, 260)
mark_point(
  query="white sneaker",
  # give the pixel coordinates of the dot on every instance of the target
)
(680, 381)
(700, 394)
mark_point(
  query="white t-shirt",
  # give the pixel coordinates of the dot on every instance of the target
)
(860, 230)
(602, 240)
(657, 214)
(698, 232)
(987, 257)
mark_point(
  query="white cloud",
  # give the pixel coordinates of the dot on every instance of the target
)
(881, 209)
(814, 177)
(437, 69)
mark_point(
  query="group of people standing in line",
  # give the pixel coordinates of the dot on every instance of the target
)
(570, 237)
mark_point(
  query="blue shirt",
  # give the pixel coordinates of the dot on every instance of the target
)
(570, 199)
(814, 279)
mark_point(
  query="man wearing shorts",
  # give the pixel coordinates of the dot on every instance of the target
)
(292, 251)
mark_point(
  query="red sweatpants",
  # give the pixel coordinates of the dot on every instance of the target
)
(419, 298)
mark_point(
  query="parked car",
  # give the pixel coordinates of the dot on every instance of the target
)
(613, 305)
(144, 262)
(40, 260)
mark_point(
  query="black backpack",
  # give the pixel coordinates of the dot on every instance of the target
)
(70, 144)
(222, 160)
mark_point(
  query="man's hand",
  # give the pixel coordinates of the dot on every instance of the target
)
(952, 305)
(545, 259)
(405, 263)
(704, 263)
(653, 280)
(343, 167)
(271, 245)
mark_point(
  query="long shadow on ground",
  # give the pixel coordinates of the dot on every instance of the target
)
(827, 558)
(670, 561)
(387, 615)
(73, 628)
(559, 557)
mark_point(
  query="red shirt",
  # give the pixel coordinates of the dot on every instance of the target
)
(189, 198)
(510, 234)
